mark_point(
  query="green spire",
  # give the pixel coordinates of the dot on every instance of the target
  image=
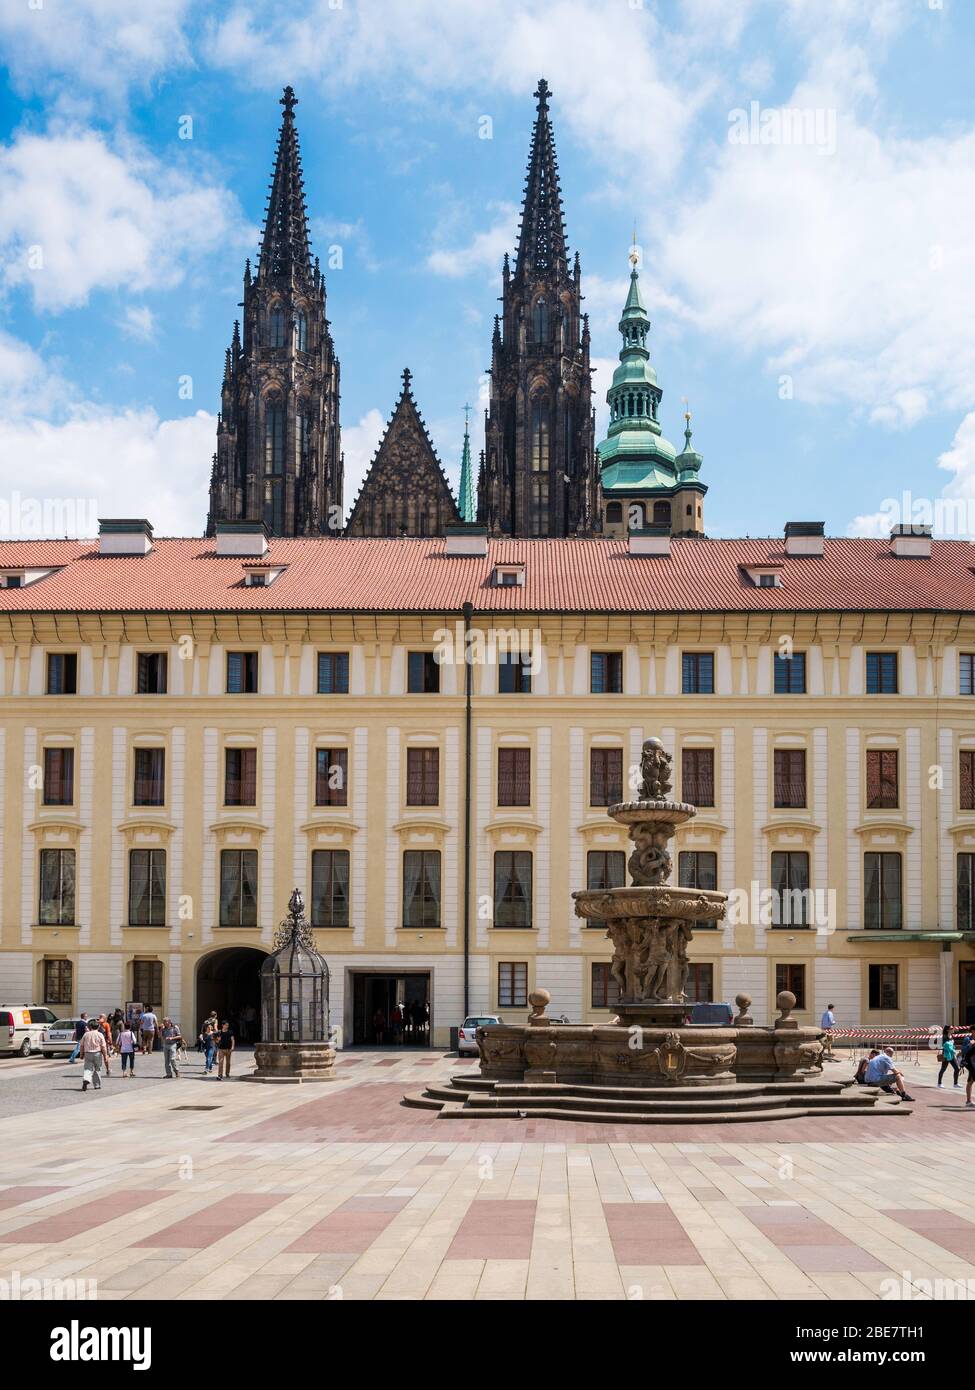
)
(467, 510)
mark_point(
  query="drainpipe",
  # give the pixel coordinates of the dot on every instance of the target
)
(468, 689)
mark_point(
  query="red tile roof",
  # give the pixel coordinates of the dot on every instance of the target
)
(562, 576)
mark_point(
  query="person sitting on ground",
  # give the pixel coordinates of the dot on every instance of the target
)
(861, 1072)
(882, 1072)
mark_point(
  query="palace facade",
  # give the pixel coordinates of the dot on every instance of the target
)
(190, 728)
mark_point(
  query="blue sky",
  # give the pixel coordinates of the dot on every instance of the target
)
(813, 294)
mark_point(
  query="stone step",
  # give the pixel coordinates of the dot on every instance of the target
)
(735, 1090)
(457, 1111)
(671, 1105)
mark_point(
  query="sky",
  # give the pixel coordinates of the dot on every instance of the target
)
(801, 178)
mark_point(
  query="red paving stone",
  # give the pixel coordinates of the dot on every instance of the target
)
(811, 1242)
(210, 1224)
(86, 1217)
(944, 1228)
(351, 1228)
(492, 1230)
(16, 1196)
(648, 1233)
(374, 1110)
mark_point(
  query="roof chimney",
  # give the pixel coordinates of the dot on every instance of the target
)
(124, 536)
(650, 540)
(804, 537)
(912, 542)
(241, 538)
(466, 540)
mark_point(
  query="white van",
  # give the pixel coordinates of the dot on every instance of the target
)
(21, 1027)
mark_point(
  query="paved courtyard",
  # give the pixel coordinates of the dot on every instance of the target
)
(196, 1189)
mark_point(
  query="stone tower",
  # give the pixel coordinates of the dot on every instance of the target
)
(278, 453)
(405, 492)
(537, 475)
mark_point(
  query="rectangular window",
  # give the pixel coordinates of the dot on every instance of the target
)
(790, 885)
(333, 673)
(57, 888)
(697, 776)
(697, 868)
(62, 673)
(881, 673)
(514, 776)
(240, 777)
(238, 888)
(150, 777)
(700, 983)
(58, 981)
(330, 888)
(331, 777)
(697, 673)
(605, 776)
(513, 888)
(605, 868)
(965, 917)
(147, 983)
(882, 892)
(514, 676)
(423, 776)
(421, 888)
(422, 673)
(881, 778)
(153, 673)
(966, 673)
(147, 888)
(512, 984)
(58, 776)
(966, 779)
(789, 777)
(883, 987)
(790, 673)
(605, 991)
(242, 673)
(793, 978)
(606, 673)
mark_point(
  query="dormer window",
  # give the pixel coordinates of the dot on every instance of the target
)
(259, 576)
(509, 576)
(764, 576)
(10, 580)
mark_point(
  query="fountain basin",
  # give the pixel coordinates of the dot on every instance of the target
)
(652, 900)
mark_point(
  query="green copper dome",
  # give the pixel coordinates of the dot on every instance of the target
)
(635, 455)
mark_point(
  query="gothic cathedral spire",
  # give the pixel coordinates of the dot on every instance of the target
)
(278, 453)
(537, 473)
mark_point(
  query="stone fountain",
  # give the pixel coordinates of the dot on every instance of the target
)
(650, 1064)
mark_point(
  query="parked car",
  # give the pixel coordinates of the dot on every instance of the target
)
(57, 1039)
(22, 1026)
(712, 1015)
(467, 1034)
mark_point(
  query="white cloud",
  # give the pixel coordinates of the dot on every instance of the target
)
(138, 321)
(359, 444)
(127, 462)
(100, 44)
(78, 216)
(484, 251)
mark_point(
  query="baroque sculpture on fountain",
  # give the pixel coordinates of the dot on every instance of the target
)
(650, 1064)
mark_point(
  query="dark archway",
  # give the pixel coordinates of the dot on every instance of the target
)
(229, 982)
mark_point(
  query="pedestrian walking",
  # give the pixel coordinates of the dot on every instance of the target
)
(94, 1055)
(171, 1039)
(828, 1023)
(948, 1057)
(147, 1029)
(80, 1029)
(127, 1044)
(208, 1041)
(968, 1061)
(225, 1048)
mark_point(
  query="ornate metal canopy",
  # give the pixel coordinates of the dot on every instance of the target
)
(294, 983)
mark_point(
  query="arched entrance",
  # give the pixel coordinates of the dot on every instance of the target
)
(229, 982)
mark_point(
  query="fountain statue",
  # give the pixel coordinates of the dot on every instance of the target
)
(650, 1064)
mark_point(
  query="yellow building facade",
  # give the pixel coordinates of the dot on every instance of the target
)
(446, 815)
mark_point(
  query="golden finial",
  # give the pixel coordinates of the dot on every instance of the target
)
(634, 251)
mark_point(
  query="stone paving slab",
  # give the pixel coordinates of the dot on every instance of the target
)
(289, 1195)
